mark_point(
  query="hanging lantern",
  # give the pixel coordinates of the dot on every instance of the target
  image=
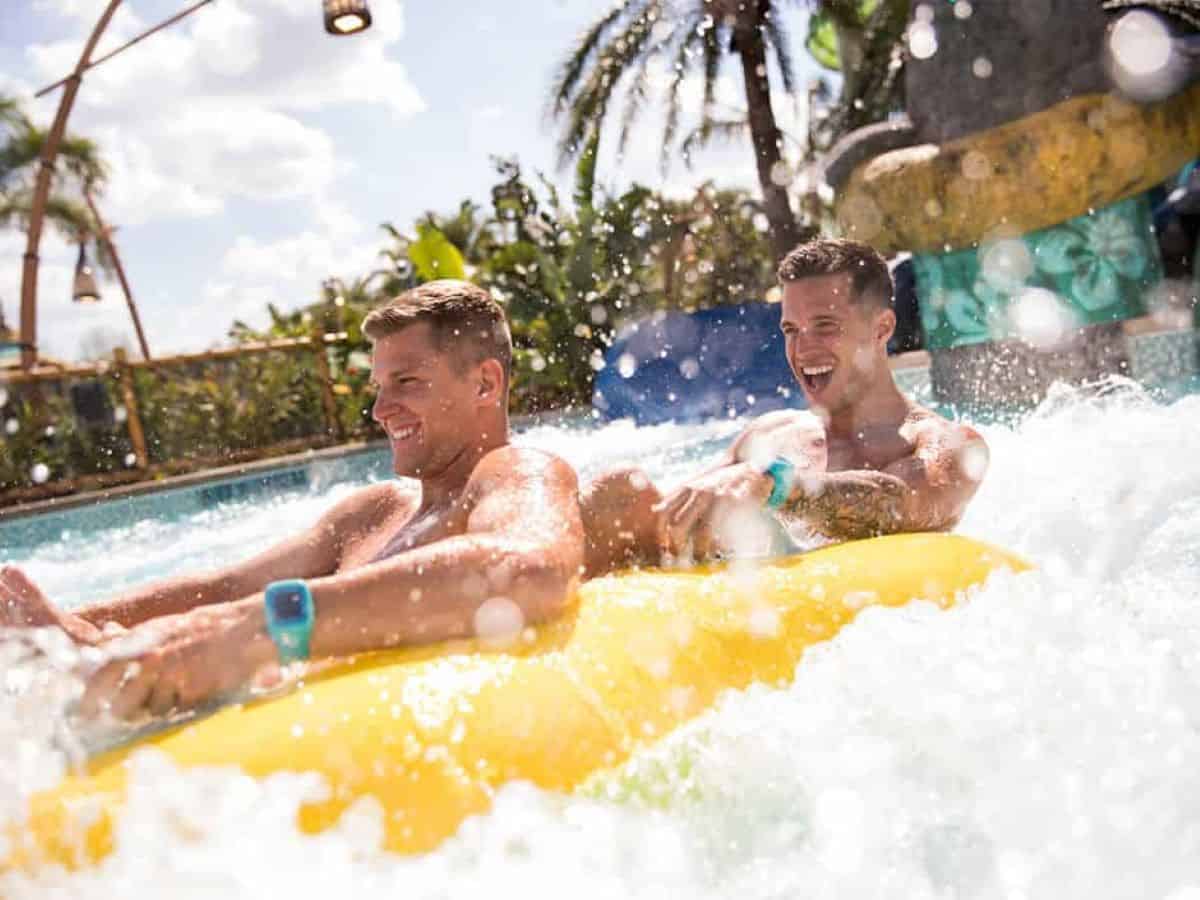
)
(346, 16)
(85, 289)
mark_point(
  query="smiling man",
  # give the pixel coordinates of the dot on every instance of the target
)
(864, 461)
(474, 532)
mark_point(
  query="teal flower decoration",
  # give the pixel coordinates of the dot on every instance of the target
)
(1096, 252)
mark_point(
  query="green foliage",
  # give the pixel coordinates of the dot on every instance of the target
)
(219, 408)
(433, 256)
(39, 429)
(77, 164)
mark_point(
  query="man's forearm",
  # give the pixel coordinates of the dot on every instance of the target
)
(850, 505)
(162, 598)
(434, 593)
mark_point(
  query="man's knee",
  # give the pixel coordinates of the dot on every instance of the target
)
(620, 493)
(619, 518)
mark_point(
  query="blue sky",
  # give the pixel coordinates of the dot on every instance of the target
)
(252, 155)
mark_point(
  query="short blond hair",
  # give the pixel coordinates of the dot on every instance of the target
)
(465, 320)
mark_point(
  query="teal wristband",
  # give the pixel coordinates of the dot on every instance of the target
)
(781, 472)
(290, 615)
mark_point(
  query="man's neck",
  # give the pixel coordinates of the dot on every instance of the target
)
(444, 488)
(881, 406)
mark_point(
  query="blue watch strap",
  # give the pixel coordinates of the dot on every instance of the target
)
(781, 471)
(290, 615)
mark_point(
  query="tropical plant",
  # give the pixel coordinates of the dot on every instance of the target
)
(638, 38)
(863, 42)
(77, 167)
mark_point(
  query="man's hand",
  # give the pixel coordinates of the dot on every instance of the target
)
(23, 605)
(706, 509)
(192, 658)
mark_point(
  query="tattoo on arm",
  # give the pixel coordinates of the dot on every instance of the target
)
(849, 505)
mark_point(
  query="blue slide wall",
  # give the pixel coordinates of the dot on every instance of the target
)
(728, 360)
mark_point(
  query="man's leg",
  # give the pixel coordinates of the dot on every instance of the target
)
(619, 522)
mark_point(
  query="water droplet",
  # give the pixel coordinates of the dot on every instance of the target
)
(963, 9)
(40, 473)
(12, 426)
(763, 622)
(689, 368)
(499, 621)
(974, 462)
(1006, 264)
(596, 361)
(120, 414)
(982, 67)
(1040, 318)
(781, 174)
(976, 165)
(627, 365)
(922, 40)
(537, 362)
(598, 314)
(1140, 43)
(130, 460)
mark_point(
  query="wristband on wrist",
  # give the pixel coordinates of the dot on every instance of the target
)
(290, 615)
(782, 473)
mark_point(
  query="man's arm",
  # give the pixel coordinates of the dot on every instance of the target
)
(523, 546)
(314, 552)
(925, 491)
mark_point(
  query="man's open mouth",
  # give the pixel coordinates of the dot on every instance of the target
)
(399, 434)
(816, 378)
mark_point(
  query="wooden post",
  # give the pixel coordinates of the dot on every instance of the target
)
(41, 193)
(133, 418)
(333, 423)
(105, 235)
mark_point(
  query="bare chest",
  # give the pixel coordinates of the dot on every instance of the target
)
(871, 451)
(401, 531)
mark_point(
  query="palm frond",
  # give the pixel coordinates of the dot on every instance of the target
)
(778, 40)
(588, 106)
(576, 63)
(711, 130)
(691, 36)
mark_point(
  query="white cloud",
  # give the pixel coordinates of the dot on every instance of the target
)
(206, 111)
(217, 108)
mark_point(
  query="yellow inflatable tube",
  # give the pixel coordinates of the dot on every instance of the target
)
(433, 733)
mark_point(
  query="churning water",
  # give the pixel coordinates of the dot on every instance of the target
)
(1039, 740)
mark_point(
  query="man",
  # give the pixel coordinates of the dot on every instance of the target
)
(865, 461)
(476, 531)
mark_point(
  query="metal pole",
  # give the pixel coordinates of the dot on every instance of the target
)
(106, 237)
(141, 37)
(41, 193)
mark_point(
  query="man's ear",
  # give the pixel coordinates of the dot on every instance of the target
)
(885, 325)
(490, 382)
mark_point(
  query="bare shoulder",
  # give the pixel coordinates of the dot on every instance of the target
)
(930, 431)
(774, 433)
(510, 465)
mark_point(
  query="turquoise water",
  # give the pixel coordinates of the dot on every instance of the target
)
(1037, 741)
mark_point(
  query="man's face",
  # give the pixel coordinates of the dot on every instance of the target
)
(428, 409)
(833, 345)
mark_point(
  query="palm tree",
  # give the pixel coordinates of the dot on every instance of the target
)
(77, 167)
(686, 36)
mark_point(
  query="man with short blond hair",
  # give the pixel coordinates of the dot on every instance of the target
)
(472, 523)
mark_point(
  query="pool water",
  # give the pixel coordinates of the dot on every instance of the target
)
(1039, 740)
